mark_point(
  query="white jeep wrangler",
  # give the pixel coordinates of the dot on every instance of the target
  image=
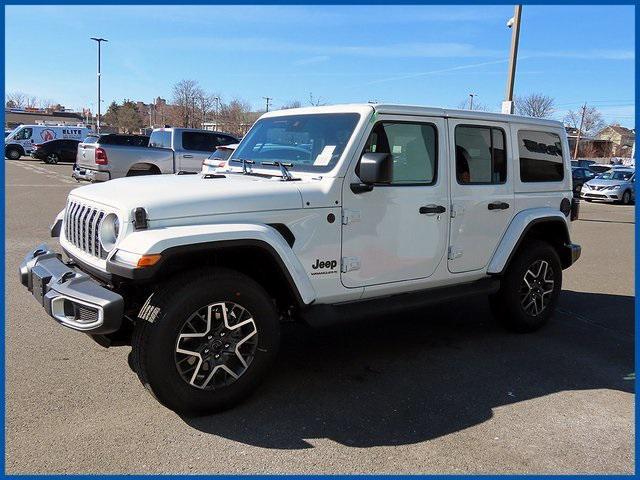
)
(323, 214)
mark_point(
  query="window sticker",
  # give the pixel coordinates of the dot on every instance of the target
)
(324, 157)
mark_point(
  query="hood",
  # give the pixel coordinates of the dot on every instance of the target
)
(176, 196)
(599, 182)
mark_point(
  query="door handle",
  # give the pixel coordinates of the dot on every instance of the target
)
(498, 206)
(431, 209)
(187, 156)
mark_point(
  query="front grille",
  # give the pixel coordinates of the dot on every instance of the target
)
(81, 225)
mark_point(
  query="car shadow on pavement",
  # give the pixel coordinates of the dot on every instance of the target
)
(406, 379)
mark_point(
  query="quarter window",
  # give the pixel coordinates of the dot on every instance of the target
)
(413, 148)
(540, 156)
(480, 155)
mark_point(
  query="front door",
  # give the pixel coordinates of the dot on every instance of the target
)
(398, 232)
(482, 199)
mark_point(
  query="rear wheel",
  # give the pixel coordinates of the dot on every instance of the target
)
(529, 289)
(143, 170)
(52, 158)
(203, 343)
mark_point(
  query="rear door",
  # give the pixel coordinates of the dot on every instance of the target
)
(196, 148)
(481, 191)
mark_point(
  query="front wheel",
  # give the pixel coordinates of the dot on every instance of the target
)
(204, 342)
(626, 197)
(13, 153)
(529, 289)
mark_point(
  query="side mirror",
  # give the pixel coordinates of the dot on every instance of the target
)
(376, 168)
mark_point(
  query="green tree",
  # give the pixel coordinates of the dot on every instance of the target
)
(129, 119)
(111, 115)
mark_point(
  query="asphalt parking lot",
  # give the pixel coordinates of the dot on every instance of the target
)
(442, 390)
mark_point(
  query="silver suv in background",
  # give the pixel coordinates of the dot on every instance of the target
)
(168, 150)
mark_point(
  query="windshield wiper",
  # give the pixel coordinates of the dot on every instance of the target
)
(286, 176)
(244, 162)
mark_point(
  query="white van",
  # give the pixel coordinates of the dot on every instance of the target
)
(21, 140)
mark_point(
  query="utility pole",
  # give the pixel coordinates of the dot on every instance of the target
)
(471, 95)
(514, 24)
(98, 41)
(575, 150)
(268, 100)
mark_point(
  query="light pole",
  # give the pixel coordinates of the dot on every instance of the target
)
(514, 24)
(98, 41)
(471, 95)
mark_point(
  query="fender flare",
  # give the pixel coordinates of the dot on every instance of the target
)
(170, 241)
(517, 230)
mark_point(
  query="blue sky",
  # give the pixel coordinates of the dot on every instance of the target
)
(426, 55)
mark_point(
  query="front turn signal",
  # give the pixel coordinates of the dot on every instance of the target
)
(148, 260)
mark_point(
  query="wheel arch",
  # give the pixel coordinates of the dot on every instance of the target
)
(544, 224)
(144, 166)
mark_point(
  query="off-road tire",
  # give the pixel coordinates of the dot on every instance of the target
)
(160, 323)
(12, 153)
(507, 303)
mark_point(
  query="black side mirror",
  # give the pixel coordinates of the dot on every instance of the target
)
(374, 168)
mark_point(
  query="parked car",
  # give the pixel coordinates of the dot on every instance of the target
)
(21, 141)
(598, 168)
(169, 150)
(616, 185)
(389, 207)
(218, 159)
(580, 175)
(582, 163)
(56, 151)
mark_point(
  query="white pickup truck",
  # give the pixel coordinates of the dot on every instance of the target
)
(169, 150)
(321, 215)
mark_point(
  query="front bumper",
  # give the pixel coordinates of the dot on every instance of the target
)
(574, 251)
(88, 175)
(601, 195)
(69, 296)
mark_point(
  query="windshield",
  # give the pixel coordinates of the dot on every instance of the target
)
(615, 175)
(221, 153)
(303, 142)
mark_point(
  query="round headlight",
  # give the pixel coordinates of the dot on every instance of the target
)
(109, 230)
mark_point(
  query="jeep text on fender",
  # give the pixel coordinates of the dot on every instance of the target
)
(321, 215)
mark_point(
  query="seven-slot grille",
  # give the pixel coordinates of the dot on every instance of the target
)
(81, 226)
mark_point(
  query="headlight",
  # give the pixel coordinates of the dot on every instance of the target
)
(109, 230)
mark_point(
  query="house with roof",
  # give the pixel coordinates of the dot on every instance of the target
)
(621, 138)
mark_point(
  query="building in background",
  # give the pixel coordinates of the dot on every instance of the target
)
(621, 140)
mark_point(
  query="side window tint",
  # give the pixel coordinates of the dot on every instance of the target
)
(480, 155)
(413, 148)
(199, 141)
(540, 156)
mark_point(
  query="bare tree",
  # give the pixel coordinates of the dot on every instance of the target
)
(291, 104)
(16, 100)
(592, 123)
(477, 106)
(316, 101)
(186, 94)
(535, 105)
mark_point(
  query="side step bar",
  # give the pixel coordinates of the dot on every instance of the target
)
(323, 315)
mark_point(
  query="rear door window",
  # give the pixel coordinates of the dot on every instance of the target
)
(199, 141)
(540, 156)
